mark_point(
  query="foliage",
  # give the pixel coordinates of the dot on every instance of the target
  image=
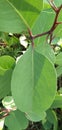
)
(30, 64)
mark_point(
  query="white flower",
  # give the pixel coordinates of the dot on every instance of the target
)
(23, 41)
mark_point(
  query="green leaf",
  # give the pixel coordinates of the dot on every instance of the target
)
(5, 83)
(6, 63)
(59, 71)
(52, 118)
(32, 76)
(43, 23)
(57, 102)
(46, 4)
(34, 117)
(58, 30)
(16, 121)
(59, 59)
(58, 2)
(10, 18)
(46, 50)
(29, 9)
(46, 124)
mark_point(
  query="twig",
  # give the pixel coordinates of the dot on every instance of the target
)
(31, 37)
(55, 24)
(5, 112)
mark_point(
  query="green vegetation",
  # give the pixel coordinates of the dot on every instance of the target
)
(30, 65)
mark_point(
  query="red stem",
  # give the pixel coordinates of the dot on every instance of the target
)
(55, 24)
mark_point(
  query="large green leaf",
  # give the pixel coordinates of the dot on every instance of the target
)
(16, 121)
(5, 83)
(29, 9)
(33, 88)
(10, 18)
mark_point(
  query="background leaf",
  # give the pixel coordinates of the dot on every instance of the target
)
(59, 71)
(5, 83)
(16, 120)
(57, 102)
(41, 25)
(52, 118)
(6, 63)
(29, 9)
(59, 59)
(10, 19)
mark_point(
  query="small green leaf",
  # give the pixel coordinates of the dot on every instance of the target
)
(16, 121)
(6, 63)
(59, 59)
(41, 25)
(46, 124)
(32, 76)
(5, 83)
(57, 102)
(59, 71)
(52, 118)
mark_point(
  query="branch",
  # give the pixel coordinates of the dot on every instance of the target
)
(3, 44)
(4, 112)
(52, 4)
(31, 37)
(55, 24)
